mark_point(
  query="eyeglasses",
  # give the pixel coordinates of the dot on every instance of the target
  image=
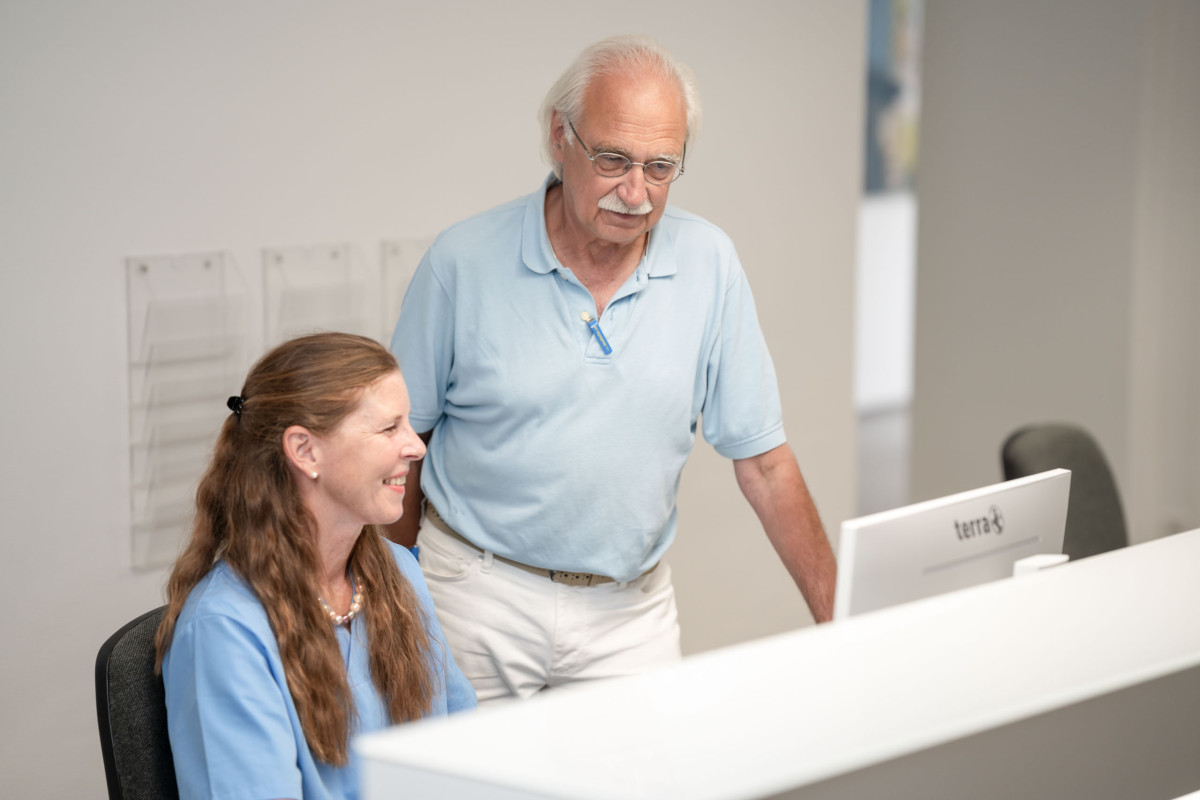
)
(614, 165)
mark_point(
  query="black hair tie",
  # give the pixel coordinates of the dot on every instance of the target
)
(235, 404)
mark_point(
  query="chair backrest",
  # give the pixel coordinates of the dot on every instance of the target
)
(1095, 520)
(132, 712)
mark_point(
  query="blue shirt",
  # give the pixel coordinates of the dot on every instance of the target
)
(547, 450)
(234, 730)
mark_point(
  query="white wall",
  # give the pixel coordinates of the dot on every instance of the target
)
(132, 128)
(1057, 244)
(1163, 475)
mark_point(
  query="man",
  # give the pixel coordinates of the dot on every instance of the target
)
(560, 351)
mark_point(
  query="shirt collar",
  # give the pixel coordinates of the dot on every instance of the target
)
(657, 262)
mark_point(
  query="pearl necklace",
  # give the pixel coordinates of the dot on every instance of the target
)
(355, 606)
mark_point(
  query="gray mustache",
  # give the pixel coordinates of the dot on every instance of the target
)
(610, 202)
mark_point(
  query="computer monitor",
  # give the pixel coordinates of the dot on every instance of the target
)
(949, 543)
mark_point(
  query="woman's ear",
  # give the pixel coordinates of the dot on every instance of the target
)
(300, 447)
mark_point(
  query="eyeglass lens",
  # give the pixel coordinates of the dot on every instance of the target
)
(614, 166)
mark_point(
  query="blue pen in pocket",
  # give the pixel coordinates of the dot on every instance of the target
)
(594, 324)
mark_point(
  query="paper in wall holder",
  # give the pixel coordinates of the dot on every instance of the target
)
(187, 345)
(316, 288)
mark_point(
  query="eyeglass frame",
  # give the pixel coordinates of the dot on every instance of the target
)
(630, 163)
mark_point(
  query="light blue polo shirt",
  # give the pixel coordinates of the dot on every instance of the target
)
(547, 450)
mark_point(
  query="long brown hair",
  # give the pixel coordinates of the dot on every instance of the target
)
(249, 513)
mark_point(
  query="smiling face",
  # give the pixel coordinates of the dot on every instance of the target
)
(640, 117)
(362, 464)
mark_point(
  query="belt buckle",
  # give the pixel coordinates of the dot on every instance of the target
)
(571, 578)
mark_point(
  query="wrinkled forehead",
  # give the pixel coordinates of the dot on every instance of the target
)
(645, 108)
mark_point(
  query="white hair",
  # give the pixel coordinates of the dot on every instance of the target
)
(629, 55)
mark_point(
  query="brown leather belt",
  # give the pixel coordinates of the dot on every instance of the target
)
(556, 575)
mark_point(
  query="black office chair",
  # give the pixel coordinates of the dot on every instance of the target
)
(1095, 521)
(131, 708)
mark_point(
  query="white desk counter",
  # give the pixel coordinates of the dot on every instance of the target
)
(1079, 681)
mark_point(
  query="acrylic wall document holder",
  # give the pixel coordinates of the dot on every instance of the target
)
(187, 348)
(398, 260)
(318, 288)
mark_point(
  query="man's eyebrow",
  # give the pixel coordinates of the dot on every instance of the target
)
(674, 158)
(605, 148)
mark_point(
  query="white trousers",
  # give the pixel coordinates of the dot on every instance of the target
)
(515, 633)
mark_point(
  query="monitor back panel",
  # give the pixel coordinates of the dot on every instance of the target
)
(949, 543)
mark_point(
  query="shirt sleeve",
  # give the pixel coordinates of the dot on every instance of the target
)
(423, 343)
(742, 414)
(231, 732)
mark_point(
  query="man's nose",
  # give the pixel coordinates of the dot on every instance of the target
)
(633, 187)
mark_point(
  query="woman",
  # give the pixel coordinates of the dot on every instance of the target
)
(292, 622)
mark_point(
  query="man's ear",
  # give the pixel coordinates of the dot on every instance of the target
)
(300, 448)
(558, 136)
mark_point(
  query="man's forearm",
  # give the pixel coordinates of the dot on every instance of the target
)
(404, 530)
(775, 488)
